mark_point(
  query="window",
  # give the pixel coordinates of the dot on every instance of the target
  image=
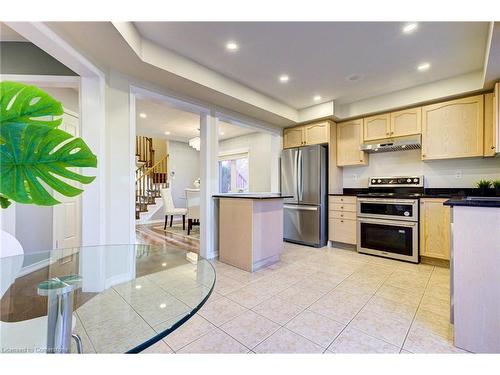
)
(233, 173)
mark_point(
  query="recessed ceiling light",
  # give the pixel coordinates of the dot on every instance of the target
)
(410, 27)
(163, 305)
(167, 133)
(143, 115)
(164, 264)
(232, 46)
(317, 98)
(284, 78)
(221, 133)
(138, 286)
(424, 66)
(354, 77)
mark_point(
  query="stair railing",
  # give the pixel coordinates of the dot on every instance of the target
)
(149, 181)
(144, 150)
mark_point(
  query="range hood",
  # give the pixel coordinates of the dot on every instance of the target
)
(392, 144)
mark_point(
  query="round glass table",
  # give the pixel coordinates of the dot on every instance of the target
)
(113, 298)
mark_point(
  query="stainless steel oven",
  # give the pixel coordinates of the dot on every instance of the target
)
(388, 228)
(388, 208)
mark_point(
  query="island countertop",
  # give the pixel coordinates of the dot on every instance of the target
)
(474, 202)
(253, 195)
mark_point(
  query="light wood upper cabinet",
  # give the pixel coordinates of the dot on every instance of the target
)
(406, 122)
(293, 137)
(376, 127)
(453, 129)
(349, 140)
(306, 135)
(434, 228)
(317, 133)
(490, 125)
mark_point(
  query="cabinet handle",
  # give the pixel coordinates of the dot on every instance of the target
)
(341, 207)
(341, 215)
(387, 133)
(492, 147)
(341, 221)
(392, 133)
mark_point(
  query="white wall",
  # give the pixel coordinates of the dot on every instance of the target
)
(264, 153)
(68, 97)
(185, 162)
(437, 173)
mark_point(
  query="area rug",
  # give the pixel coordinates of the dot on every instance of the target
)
(176, 229)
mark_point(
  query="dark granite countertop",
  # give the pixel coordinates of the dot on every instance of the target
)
(253, 195)
(474, 202)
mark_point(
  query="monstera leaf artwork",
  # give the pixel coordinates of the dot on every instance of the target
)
(34, 153)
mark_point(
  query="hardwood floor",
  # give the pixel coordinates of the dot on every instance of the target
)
(146, 235)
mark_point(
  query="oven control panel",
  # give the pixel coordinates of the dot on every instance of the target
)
(405, 181)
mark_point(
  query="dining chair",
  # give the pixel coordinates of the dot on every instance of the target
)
(25, 333)
(169, 208)
(193, 208)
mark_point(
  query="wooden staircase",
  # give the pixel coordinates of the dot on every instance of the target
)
(150, 177)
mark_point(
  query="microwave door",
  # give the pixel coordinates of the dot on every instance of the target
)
(289, 174)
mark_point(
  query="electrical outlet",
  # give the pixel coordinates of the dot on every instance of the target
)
(355, 177)
(458, 173)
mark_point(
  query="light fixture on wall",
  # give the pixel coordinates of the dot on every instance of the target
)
(195, 143)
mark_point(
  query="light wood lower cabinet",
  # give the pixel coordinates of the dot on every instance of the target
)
(342, 224)
(434, 228)
(349, 140)
(453, 129)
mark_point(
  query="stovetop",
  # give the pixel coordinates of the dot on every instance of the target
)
(398, 187)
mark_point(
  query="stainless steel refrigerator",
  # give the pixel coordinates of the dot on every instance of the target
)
(304, 176)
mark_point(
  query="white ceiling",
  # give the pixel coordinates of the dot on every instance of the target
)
(181, 125)
(319, 57)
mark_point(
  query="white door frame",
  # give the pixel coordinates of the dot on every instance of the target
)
(91, 84)
(208, 160)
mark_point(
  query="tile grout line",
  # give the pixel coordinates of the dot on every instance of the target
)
(350, 321)
(416, 311)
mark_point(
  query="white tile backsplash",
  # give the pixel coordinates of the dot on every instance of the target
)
(438, 173)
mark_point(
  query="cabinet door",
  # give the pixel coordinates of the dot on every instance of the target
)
(349, 139)
(406, 122)
(316, 133)
(376, 127)
(490, 126)
(434, 228)
(342, 230)
(453, 129)
(293, 137)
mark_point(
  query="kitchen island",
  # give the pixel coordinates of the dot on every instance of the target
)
(250, 229)
(475, 273)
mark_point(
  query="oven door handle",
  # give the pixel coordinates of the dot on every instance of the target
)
(394, 223)
(388, 200)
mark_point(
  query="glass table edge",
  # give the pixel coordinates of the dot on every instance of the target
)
(153, 340)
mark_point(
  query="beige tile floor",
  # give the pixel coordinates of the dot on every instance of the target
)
(315, 301)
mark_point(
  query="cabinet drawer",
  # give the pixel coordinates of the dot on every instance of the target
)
(343, 207)
(342, 199)
(340, 230)
(342, 215)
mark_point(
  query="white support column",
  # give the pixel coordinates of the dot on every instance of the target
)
(209, 183)
(93, 132)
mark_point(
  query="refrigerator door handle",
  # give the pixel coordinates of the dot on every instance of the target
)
(302, 208)
(300, 183)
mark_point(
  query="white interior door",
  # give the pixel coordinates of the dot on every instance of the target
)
(67, 215)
